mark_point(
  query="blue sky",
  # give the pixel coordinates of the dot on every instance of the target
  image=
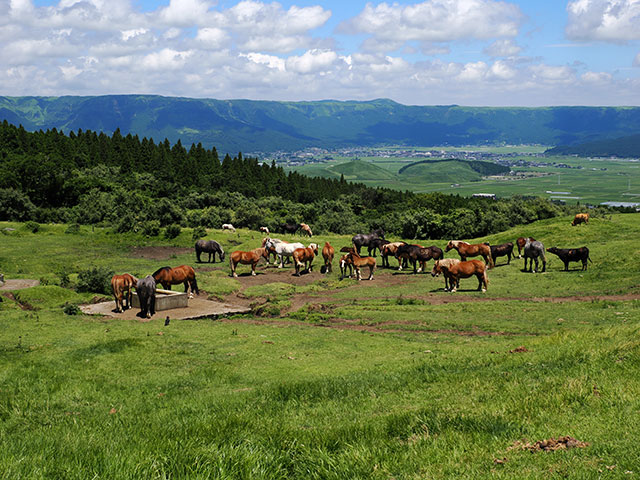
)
(467, 52)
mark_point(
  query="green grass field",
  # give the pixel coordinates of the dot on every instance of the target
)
(392, 378)
(600, 180)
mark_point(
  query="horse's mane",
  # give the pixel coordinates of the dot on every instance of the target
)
(159, 270)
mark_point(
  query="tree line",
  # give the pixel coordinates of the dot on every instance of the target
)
(131, 184)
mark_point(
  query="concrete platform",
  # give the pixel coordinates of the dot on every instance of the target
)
(197, 308)
(165, 300)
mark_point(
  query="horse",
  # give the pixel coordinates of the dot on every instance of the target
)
(211, 247)
(520, 243)
(228, 226)
(146, 289)
(533, 250)
(168, 276)
(343, 267)
(290, 228)
(247, 258)
(437, 270)
(327, 253)
(264, 230)
(361, 239)
(303, 257)
(122, 287)
(416, 253)
(580, 218)
(465, 250)
(304, 228)
(466, 269)
(282, 249)
(390, 249)
(377, 243)
(506, 249)
(271, 251)
(359, 262)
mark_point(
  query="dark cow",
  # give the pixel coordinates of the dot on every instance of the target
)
(211, 247)
(146, 289)
(571, 255)
(416, 253)
(506, 249)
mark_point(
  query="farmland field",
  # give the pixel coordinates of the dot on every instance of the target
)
(599, 180)
(327, 378)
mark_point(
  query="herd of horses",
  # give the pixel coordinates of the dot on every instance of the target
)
(452, 269)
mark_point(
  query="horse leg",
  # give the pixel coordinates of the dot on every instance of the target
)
(253, 268)
(371, 269)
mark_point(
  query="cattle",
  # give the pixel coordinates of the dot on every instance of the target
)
(506, 249)
(416, 253)
(580, 218)
(571, 255)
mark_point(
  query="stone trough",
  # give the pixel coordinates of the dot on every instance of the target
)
(165, 300)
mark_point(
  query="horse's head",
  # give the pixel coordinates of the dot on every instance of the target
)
(450, 245)
(379, 232)
(437, 270)
(314, 247)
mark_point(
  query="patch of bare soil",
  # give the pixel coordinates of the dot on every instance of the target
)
(520, 349)
(549, 445)
(19, 284)
(159, 253)
(22, 305)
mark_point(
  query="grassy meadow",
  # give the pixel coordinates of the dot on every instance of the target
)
(392, 378)
(600, 180)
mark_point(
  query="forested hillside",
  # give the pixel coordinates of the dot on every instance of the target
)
(131, 184)
(244, 125)
(624, 147)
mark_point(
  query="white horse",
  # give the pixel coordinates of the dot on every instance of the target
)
(264, 230)
(282, 249)
(228, 226)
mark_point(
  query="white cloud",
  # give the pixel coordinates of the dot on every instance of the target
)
(212, 37)
(437, 21)
(270, 61)
(165, 59)
(604, 20)
(596, 77)
(312, 61)
(552, 73)
(503, 48)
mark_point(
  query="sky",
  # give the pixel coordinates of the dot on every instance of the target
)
(431, 52)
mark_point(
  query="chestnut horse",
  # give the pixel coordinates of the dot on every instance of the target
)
(437, 270)
(247, 258)
(304, 228)
(168, 276)
(122, 287)
(359, 262)
(520, 242)
(466, 269)
(303, 257)
(327, 253)
(465, 250)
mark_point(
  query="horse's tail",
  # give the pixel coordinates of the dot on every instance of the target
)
(194, 285)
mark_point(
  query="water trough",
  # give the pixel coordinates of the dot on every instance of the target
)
(165, 300)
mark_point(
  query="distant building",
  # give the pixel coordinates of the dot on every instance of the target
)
(484, 195)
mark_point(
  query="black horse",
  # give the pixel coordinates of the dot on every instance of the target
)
(146, 290)
(211, 247)
(289, 227)
(364, 240)
(376, 243)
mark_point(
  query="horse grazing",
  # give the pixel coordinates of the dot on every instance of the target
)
(211, 247)
(506, 249)
(465, 250)
(437, 270)
(146, 290)
(272, 250)
(377, 243)
(358, 262)
(466, 269)
(264, 230)
(282, 249)
(343, 267)
(416, 253)
(364, 240)
(533, 250)
(390, 249)
(304, 228)
(303, 257)
(571, 255)
(247, 258)
(122, 287)
(289, 227)
(228, 226)
(520, 242)
(327, 253)
(168, 276)
(580, 218)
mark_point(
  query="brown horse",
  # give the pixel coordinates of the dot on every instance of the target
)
(465, 250)
(168, 276)
(466, 269)
(304, 228)
(437, 270)
(358, 262)
(520, 242)
(388, 250)
(303, 257)
(327, 253)
(247, 258)
(122, 287)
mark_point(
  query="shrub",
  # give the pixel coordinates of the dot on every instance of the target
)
(32, 226)
(172, 231)
(198, 233)
(73, 229)
(71, 309)
(15, 205)
(95, 279)
(151, 228)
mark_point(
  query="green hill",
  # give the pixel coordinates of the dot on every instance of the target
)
(440, 172)
(623, 147)
(358, 170)
(263, 126)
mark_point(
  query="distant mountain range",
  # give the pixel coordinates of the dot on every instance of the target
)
(623, 147)
(264, 126)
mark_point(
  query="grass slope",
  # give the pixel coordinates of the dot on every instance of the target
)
(359, 171)
(407, 384)
(440, 172)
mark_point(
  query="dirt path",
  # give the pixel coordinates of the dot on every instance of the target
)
(19, 284)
